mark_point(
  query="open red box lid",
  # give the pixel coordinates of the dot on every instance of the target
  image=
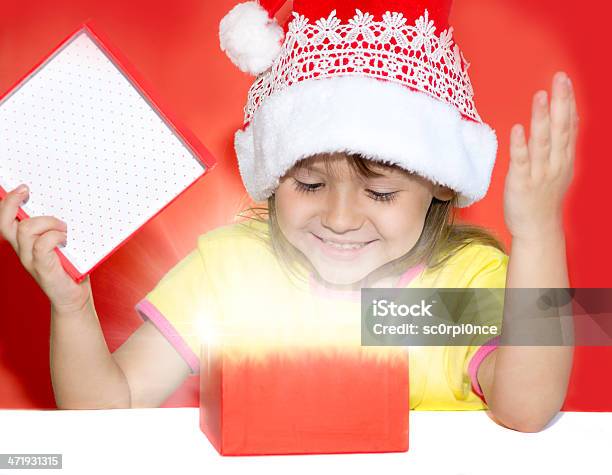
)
(96, 147)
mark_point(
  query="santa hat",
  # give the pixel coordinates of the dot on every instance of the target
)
(382, 79)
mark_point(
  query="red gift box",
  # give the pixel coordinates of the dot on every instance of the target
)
(305, 400)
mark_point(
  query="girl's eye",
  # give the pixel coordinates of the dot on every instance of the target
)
(306, 187)
(383, 196)
(312, 187)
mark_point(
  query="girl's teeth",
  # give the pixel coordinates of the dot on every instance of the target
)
(344, 246)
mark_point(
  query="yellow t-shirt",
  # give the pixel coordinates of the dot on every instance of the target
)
(232, 284)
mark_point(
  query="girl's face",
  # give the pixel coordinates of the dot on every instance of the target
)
(349, 226)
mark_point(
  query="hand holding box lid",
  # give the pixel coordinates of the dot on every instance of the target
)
(95, 146)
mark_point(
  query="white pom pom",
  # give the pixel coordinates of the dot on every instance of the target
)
(250, 38)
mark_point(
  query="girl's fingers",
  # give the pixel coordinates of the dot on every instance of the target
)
(559, 121)
(44, 259)
(519, 151)
(29, 230)
(8, 214)
(571, 148)
(539, 138)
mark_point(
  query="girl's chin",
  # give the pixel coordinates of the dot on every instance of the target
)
(333, 276)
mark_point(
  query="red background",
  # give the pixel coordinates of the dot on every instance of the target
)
(514, 46)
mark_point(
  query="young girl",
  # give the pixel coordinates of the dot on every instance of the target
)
(362, 136)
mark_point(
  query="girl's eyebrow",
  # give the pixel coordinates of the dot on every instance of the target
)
(384, 177)
(386, 174)
(310, 166)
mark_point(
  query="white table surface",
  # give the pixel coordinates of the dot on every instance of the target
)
(169, 441)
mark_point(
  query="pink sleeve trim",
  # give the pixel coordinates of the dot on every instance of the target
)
(148, 312)
(410, 275)
(475, 362)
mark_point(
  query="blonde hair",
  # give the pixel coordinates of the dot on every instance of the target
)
(440, 239)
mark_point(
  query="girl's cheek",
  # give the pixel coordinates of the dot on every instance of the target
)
(399, 220)
(293, 211)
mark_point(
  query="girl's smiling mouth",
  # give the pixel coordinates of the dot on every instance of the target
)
(342, 249)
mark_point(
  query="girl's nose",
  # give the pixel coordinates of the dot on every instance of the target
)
(342, 213)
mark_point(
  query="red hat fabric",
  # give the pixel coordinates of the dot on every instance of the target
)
(383, 79)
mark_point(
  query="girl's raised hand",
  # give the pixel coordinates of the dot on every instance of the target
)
(541, 170)
(34, 240)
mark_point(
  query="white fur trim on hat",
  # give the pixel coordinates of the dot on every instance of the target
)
(250, 38)
(378, 119)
